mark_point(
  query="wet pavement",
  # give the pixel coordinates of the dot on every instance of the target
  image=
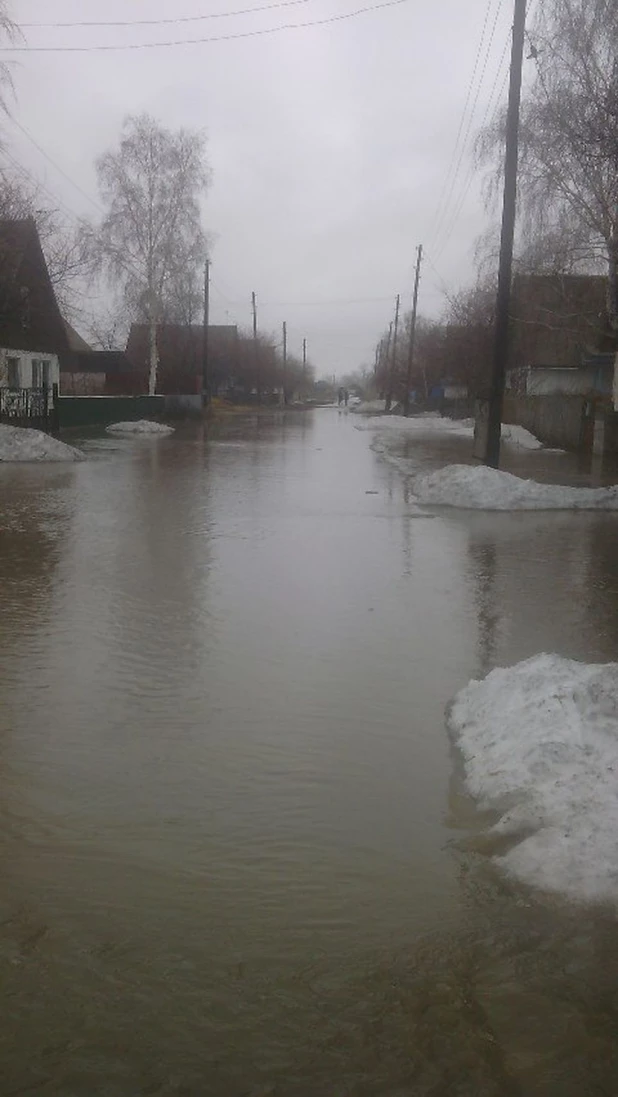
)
(237, 856)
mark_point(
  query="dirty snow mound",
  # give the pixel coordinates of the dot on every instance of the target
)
(431, 423)
(140, 426)
(24, 444)
(479, 488)
(540, 745)
(519, 436)
(370, 407)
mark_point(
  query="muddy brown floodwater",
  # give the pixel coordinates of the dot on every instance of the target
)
(235, 852)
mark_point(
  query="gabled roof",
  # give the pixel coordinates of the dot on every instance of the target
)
(29, 315)
(76, 343)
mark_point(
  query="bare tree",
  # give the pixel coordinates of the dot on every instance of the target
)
(569, 142)
(61, 242)
(151, 241)
(10, 31)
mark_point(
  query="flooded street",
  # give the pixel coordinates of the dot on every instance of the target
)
(237, 856)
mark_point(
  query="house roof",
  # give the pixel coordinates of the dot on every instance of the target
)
(76, 343)
(30, 318)
(180, 348)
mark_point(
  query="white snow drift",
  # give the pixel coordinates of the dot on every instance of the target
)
(432, 424)
(540, 745)
(24, 444)
(140, 426)
(479, 488)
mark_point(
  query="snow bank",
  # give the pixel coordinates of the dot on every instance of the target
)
(433, 423)
(370, 407)
(540, 745)
(140, 426)
(479, 488)
(519, 436)
(430, 424)
(24, 444)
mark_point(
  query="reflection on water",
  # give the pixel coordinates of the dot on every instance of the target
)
(236, 853)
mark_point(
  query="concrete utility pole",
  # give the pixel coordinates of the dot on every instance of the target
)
(417, 278)
(501, 338)
(205, 346)
(255, 347)
(285, 361)
(391, 372)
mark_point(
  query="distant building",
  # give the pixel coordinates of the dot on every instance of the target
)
(181, 350)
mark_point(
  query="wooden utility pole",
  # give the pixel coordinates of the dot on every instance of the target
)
(503, 301)
(417, 278)
(387, 350)
(285, 361)
(205, 347)
(393, 366)
(304, 368)
(255, 348)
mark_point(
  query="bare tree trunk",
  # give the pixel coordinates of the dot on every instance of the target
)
(612, 305)
(154, 356)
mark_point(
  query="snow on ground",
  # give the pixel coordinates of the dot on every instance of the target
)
(370, 407)
(430, 424)
(433, 423)
(540, 745)
(476, 487)
(140, 426)
(519, 436)
(24, 444)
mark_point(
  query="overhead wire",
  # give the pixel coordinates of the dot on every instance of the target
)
(123, 47)
(462, 120)
(174, 20)
(465, 148)
(53, 163)
(491, 111)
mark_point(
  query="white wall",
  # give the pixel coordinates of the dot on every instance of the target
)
(26, 358)
(560, 382)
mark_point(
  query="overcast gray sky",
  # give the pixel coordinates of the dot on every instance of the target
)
(329, 145)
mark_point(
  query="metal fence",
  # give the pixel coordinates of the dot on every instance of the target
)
(25, 407)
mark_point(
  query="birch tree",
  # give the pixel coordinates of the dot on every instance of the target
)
(151, 235)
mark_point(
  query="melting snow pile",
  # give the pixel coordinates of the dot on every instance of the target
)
(519, 436)
(23, 444)
(140, 426)
(430, 424)
(370, 407)
(540, 745)
(433, 423)
(479, 488)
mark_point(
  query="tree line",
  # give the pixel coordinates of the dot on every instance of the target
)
(567, 195)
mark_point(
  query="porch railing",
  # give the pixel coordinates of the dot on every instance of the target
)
(30, 407)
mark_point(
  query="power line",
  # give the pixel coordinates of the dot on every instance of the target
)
(437, 215)
(492, 106)
(62, 172)
(204, 41)
(464, 146)
(166, 22)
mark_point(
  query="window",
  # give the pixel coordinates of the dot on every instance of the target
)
(37, 374)
(13, 373)
(46, 367)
